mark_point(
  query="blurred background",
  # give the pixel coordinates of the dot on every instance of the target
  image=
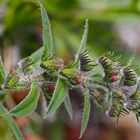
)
(114, 25)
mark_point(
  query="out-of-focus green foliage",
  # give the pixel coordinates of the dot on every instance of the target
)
(21, 19)
(18, 25)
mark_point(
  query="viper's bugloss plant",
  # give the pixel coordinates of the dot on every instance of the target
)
(116, 90)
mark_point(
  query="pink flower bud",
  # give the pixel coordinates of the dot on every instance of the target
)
(51, 87)
(114, 77)
(78, 81)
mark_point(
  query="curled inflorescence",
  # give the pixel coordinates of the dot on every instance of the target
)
(119, 82)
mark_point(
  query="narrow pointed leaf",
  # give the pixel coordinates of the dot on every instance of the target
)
(47, 34)
(86, 113)
(84, 38)
(58, 96)
(27, 105)
(11, 124)
(2, 74)
(36, 56)
(83, 42)
(68, 106)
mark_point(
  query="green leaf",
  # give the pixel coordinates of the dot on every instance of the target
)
(30, 63)
(83, 42)
(58, 96)
(68, 106)
(2, 74)
(84, 38)
(10, 122)
(47, 34)
(86, 113)
(28, 105)
(36, 56)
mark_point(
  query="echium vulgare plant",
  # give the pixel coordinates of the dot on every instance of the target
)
(117, 90)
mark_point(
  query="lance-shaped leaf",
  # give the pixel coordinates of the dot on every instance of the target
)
(36, 56)
(86, 112)
(58, 96)
(83, 42)
(2, 74)
(84, 38)
(28, 104)
(11, 124)
(47, 34)
(25, 64)
(68, 106)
